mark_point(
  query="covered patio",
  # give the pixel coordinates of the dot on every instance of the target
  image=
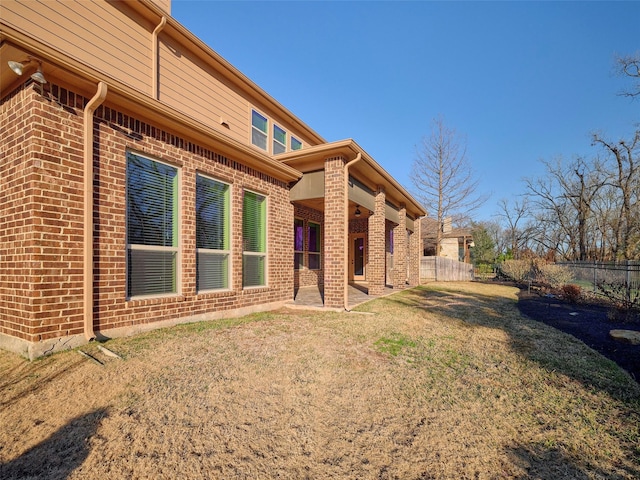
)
(357, 229)
(357, 293)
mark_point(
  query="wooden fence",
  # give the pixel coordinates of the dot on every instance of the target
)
(444, 270)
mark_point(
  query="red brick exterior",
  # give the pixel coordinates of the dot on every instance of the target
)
(415, 251)
(335, 260)
(41, 249)
(41, 207)
(400, 250)
(376, 271)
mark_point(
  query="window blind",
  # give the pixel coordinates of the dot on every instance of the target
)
(212, 234)
(254, 239)
(152, 226)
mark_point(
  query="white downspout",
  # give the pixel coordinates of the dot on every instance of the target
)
(346, 229)
(155, 57)
(89, 109)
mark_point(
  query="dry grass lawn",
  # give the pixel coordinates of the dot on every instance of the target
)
(443, 382)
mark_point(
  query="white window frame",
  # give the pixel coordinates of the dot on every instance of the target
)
(264, 254)
(291, 140)
(259, 131)
(229, 233)
(278, 143)
(175, 250)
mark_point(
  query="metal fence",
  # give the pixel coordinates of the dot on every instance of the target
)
(590, 274)
(444, 270)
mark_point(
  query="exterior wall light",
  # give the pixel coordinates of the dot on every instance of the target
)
(18, 69)
(357, 212)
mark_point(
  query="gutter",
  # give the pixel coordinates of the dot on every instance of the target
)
(155, 80)
(87, 274)
(346, 230)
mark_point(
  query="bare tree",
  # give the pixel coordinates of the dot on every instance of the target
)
(565, 197)
(514, 216)
(498, 236)
(443, 179)
(629, 66)
(624, 176)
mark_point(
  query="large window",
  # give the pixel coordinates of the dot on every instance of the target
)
(259, 127)
(298, 243)
(152, 227)
(254, 239)
(212, 234)
(279, 140)
(314, 246)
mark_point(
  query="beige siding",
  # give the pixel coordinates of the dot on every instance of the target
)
(164, 5)
(188, 85)
(113, 38)
(104, 35)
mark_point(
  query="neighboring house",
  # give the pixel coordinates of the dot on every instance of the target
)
(455, 243)
(148, 182)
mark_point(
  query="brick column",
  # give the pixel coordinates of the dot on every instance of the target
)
(376, 268)
(400, 250)
(415, 252)
(335, 257)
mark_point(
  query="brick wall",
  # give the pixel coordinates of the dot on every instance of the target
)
(415, 252)
(376, 266)
(400, 250)
(41, 207)
(334, 232)
(42, 199)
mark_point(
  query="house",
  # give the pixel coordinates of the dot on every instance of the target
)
(455, 243)
(146, 182)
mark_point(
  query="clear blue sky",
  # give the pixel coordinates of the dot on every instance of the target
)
(523, 81)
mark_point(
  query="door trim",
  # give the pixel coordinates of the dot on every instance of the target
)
(352, 276)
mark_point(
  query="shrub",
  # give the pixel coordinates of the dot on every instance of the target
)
(552, 274)
(571, 292)
(516, 270)
(625, 299)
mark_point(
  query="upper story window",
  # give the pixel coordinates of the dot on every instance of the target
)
(259, 128)
(262, 126)
(295, 144)
(279, 140)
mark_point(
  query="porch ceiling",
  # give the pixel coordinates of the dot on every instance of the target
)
(367, 171)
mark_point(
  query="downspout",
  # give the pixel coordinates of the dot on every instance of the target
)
(346, 229)
(89, 109)
(155, 57)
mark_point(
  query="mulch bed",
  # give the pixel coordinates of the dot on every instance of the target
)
(587, 322)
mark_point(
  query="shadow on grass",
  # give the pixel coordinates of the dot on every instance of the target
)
(11, 378)
(538, 342)
(59, 455)
(555, 352)
(549, 462)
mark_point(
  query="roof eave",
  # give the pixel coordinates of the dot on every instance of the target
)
(312, 158)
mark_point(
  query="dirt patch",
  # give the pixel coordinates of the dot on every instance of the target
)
(589, 322)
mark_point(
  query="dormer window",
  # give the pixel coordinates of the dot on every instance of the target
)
(259, 128)
(279, 140)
